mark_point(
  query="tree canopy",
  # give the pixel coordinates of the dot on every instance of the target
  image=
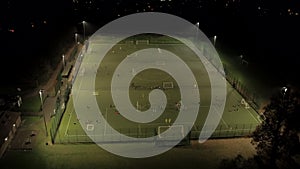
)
(277, 137)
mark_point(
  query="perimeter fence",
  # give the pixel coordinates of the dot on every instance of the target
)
(108, 136)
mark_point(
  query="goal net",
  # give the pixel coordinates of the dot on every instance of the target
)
(143, 42)
(174, 132)
(90, 127)
(129, 42)
(168, 85)
(246, 105)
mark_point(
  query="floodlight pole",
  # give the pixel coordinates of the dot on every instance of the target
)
(42, 107)
(283, 90)
(63, 61)
(197, 24)
(83, 24)
(76, 38)
(41, 98)
(215, 38)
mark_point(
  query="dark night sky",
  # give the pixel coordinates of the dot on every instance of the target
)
(263, 30)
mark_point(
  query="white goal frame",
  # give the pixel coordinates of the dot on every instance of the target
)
(168, 85)
(90, 127)
(144, 42)
(160, 131)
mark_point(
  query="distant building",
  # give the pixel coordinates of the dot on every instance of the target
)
(9, 122)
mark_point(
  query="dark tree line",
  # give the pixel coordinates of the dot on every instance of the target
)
(277, 138)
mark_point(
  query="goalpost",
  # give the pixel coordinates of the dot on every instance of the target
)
(143, 42)
(129, 42)
(90, 127)
(168, 85)
(246, 105)
(175, 132)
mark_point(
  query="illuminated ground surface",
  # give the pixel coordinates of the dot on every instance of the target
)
(236, 120)
(87, 156)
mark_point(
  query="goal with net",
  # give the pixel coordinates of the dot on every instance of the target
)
(142, 42)
(129, 42)
(168, 135)
(168, 85)
(173, 132)
(90, 127)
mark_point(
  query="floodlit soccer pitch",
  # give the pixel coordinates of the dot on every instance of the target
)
(237, 117)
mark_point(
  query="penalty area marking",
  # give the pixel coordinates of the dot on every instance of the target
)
(73, 110)
(258, 120)
(236, 95)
